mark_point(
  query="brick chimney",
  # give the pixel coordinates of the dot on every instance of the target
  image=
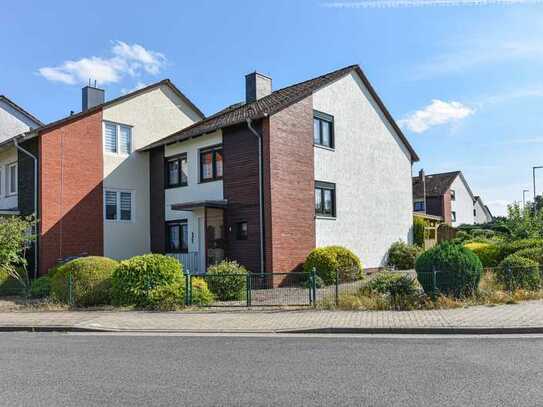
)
(257, 86)
(92, 96)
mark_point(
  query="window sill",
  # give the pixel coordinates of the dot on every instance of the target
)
(118, 155)
(205, 181)
(176, 186)
(324, 147)
(325, 217)
(121, 222)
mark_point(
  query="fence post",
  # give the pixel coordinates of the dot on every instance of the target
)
(70, 290)
(188, 288)
(337, 287)
(248, 289)
(510, 279)
(314, 285)
(434, 282)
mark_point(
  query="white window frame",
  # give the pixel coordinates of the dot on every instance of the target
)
(119, 126)
(117, 192)
(9, 166)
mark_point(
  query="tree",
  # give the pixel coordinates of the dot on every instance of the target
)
(524, 223)
(15, 238)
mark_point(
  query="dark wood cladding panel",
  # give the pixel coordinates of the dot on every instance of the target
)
(240, 183)
(157, 205)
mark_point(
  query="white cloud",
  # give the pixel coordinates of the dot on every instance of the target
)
(424, 3)
(126, 60)
(138, 86)
(436, 113)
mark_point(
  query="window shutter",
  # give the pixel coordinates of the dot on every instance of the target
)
(125, 140)
(110, 138)
(126, 206)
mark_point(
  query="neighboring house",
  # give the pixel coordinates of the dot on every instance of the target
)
(14, 120)
(94, 192)
(336, 170)
(481, 213)
(447, 195)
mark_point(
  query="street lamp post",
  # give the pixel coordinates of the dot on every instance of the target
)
(533, 176)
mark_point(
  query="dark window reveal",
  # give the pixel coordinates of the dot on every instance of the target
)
(323, 129)
(325, 199)
(177, 237)
(211, 164)
(177, 171)
(419, 206)
(242, 231)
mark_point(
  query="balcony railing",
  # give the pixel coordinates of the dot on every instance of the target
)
(190, 261)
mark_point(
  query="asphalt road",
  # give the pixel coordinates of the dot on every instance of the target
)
(52, 369)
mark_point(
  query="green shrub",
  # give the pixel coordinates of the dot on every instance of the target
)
(515, 246)
(135, 278)
(169, 297)
(402, 256)
(201, 294)
(227, 280)
(40, 287)
(419, 225)
(9, 285)
(459, 270)
(399, 289)
(516, 272)
(534, 253)
(328, 260)
(488, 253)
(91, 281)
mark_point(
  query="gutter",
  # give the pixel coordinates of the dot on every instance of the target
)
(260, 193)
(35, 159)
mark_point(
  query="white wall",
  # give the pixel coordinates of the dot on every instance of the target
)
(371, 168)
(463, 203)
(480, 213)
(153, 116)
(8, 155)
(194, 191)
(12, 122)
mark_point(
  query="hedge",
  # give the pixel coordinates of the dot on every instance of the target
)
(327, 260)
(488, 253)
(517, 272)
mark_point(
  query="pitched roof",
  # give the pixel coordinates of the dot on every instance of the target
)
(15, 106)
(273, 103)
(119, 99)
(436, 184)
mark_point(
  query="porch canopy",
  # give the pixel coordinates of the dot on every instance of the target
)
(190, 206)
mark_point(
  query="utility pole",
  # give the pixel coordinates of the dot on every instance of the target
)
(533, 176)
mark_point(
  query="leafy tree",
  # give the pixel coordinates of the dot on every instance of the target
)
(15, 238)
(524, 223)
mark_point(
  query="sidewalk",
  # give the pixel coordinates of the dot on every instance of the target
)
(525, 317)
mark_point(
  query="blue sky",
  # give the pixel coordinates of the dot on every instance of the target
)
(464, 79)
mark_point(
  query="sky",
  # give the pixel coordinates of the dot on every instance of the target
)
(463, 78)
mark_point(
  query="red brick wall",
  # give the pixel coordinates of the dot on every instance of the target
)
(71, 208)
(289, 187)
(447, 216)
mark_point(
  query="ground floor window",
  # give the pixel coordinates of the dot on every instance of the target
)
(119, 205)
(177, 236)
(325, 199)
(242, 231)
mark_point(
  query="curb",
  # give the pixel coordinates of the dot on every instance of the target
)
(328, 330)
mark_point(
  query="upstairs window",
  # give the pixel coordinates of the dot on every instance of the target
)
(119, 205)
(177, 236)
(242, 231)
(453, 216)
(11, 179)
(419, 206)
(323, 129)
(177, 171)
(117, 138)
(453, 195)
(325, 199)
(211, 164)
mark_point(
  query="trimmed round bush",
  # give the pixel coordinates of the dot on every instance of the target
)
(517, 272)
(136, 278)
(40, 287)
(91, 280)
(402, 256)
(326, 260)
(488, 253)
(534, 253)
(227, 280)
(458, 269)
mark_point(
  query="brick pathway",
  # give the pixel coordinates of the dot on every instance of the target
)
(525, 315)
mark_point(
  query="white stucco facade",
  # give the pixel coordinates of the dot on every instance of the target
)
(8, 157)
(371, 168)
(194, 191)
(480, 212)
(13, 122)
(152, 116)
(462, 205)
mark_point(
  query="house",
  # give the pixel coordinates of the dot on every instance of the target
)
(13, 121)
(481, 213)
(93, 184)
(447, 195)
(265, 181)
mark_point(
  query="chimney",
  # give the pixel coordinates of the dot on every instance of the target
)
(92, 96)
(257, 86)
